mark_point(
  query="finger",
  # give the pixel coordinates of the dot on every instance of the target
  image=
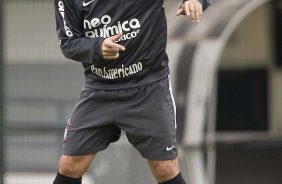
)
(186, 8)
(197, 12)
(116, 46)
(192, 10)
(109, 54)
(179, 12)
(112, 57)
(109, 49)
(201, 9)
(116, 37)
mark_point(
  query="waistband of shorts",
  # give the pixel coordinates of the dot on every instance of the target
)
(125, 87)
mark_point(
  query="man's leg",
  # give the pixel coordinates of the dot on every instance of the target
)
(72, 168)
(166, 171)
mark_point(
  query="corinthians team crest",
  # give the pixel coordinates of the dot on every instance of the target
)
(67, 129)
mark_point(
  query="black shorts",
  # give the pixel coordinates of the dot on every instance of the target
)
(146, 114)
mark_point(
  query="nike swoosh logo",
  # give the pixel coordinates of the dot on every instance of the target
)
(168, 149)
(86, 4)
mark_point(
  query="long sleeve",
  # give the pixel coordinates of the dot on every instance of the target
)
(69, 28)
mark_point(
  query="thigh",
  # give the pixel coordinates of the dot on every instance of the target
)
(149, 121)
(90, 128)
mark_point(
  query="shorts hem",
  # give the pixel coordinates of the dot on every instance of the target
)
(166, 157)
(82, 153)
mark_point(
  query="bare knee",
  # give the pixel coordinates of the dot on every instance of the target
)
(164, 170)
(74, 166)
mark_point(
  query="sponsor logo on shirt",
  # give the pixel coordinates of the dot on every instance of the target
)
(99, 27)
(62, 12)
(116, 73)
(88, 3)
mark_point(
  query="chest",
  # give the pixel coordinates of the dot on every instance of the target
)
(119, 9)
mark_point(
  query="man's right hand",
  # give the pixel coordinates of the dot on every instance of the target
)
(110, 49)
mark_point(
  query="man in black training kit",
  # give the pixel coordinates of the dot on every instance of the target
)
(122, 46)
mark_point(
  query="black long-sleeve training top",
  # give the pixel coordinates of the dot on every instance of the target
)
(82, 26)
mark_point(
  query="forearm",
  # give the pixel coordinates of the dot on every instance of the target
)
(83, 49)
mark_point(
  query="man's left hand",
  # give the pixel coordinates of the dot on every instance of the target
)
(192, 9)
